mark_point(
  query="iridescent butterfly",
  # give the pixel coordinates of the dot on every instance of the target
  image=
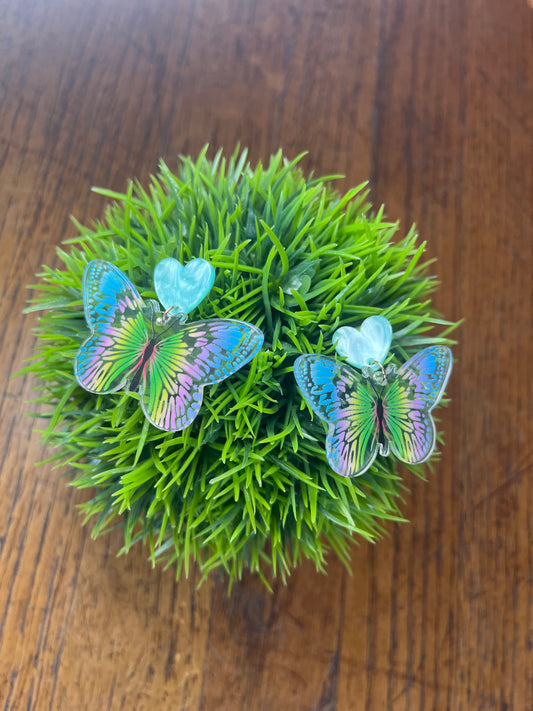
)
(388, 411)
(169, 366)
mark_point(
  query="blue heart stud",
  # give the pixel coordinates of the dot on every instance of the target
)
(367, 345)
(182, 288)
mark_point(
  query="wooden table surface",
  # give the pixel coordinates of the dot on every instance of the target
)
(433, 102)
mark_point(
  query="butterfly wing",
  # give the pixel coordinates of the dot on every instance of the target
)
(408, 402)
(114, 313)
(199, 354)
(340, 396)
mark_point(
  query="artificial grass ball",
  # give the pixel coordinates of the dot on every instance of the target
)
(247, 484)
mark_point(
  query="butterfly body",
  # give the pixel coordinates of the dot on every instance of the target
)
(373, 413)
(379, 418)
(168, 369)
(141, 368)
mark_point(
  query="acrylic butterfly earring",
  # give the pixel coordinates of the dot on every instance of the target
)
(379, 410)
(133, 346)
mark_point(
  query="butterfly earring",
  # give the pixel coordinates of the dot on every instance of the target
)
(380, 410)
(133, 346)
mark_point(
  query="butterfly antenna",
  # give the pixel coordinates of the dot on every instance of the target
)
(166, 314)
(371, 381)
(160, 320)
(371, 378)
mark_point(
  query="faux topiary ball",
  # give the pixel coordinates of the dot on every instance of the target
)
(247, 484)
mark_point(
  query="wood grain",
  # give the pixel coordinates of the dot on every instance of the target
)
(433, 102)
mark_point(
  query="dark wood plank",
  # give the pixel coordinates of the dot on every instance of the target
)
(433, 102)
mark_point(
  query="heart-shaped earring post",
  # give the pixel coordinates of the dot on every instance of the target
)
(367, 346)
(183, 287)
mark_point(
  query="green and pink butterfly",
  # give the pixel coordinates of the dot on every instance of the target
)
(168, 362)
(380, 410)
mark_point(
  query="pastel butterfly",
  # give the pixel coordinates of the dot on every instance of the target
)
(375, 412)
(168, 368)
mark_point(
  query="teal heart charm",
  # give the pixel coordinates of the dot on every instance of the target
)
(182, 288)
(367, 345)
